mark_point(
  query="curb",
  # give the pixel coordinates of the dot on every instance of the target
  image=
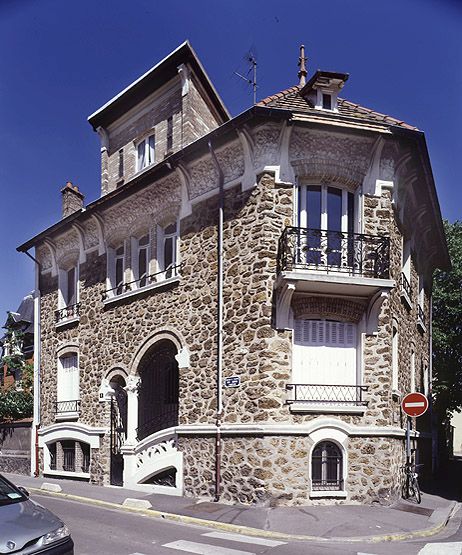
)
(247, 530)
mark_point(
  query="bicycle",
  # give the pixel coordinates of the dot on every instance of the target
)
(411, 487)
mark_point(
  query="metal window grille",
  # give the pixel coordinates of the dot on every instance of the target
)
(327, 467)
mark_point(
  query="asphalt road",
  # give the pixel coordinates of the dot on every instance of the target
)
(101, 531)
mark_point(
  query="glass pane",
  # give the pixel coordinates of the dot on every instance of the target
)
(142, 266)
(168, 256)
(119, 277)
(71, 287)
(313, 223)
(170, 229)
(334, 226)
(351, 228)
(144, 240)
(151, 149)
(141, 155)
(120, 251)
(327, 102)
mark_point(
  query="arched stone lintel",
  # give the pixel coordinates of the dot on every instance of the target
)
(80, 235)
(328, 307)
(185, 179)
(52, 248)
(248, 179)
(100, 230)
(166, 333)
(328, 171)
(283, 304)
(373, 312)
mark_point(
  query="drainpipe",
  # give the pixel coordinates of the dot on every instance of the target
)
(37, 349)
(433, 419)
(219, 323)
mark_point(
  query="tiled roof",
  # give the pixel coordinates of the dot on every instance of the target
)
(290, 99)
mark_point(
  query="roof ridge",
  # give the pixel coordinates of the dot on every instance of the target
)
(280, 94)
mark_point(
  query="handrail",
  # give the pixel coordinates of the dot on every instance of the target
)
(141, 283)
(67, 312)
(331, 394)
(334, 251)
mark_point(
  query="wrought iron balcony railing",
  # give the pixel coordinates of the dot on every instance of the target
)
(62, 407)
(67, 313)
(406, 286)
(141, 283)
(334, 251)
(327, 394)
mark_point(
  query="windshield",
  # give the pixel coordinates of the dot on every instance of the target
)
(9, 493)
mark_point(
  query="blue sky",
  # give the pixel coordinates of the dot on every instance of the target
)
(63, 59)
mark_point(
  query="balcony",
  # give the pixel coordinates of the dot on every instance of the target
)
(67, 315)
(67, 410)
(326, 263)
(326, 398)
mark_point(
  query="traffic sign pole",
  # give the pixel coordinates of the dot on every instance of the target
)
(408, 440)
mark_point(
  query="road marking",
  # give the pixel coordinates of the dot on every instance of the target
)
(450, 548)
(243, 539)
(204, 549)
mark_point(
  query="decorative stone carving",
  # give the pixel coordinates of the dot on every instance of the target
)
(133, 383)
(328, 307)
(91, 239)
(204, 177)
(149, 455)
(43, 255)
(231, 160)
(266, 145)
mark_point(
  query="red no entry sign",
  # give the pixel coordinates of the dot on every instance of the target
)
(414, 404)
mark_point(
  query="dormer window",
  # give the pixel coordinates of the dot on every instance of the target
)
(326, 101)
(146, 152)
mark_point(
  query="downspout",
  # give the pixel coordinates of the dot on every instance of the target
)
(433, 424)
(219, 376)
(37, 351)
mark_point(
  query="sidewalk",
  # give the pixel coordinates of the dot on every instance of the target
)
(340, 522)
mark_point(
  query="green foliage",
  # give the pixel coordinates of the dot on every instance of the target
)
(17, 401)
(447, 328)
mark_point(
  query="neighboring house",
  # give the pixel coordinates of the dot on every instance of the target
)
(18, 340)
(331, 233)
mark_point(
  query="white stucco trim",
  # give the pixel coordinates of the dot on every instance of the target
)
(141, 290)
(326, 409)
(292, 429)
(71, 430)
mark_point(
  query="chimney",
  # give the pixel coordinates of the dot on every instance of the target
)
(72, 199)
(301, 64)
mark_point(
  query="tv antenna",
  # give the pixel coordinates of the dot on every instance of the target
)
(251, 59)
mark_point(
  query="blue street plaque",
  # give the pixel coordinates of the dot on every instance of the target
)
(233, 381)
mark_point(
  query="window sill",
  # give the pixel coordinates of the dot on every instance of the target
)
(327, 409)
(406, 300)
(324, 494)
(74, 415)
(67, 473)
(141, 290)
(67, 322)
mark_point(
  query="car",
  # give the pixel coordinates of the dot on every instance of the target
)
(27, 528)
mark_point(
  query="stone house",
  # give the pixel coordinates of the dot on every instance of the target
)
(240, 312)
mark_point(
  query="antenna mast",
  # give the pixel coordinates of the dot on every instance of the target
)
(251, 58)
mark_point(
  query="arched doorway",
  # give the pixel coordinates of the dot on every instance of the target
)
(159, 389)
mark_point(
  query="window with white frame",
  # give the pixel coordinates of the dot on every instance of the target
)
(68, 287)
(146, 152)
(394, 370)
(119, 269)
(421, 298)
(325, 361)
(68, 387)
(326, 215)
(167, 250)
(327, 467)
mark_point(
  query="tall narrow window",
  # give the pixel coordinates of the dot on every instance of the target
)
(394, 375)
(146, 152)
(68, 295)
(169, 134)
(406, 271)
(71, 293)
(326, 222)
(121, 162)
(119, 270)
(170, 241)
(143, 260)
(326, 467)
(68, 392)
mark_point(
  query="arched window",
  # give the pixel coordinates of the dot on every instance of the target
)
(327, 467)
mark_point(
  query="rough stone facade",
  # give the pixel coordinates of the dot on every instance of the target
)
(267, 440)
